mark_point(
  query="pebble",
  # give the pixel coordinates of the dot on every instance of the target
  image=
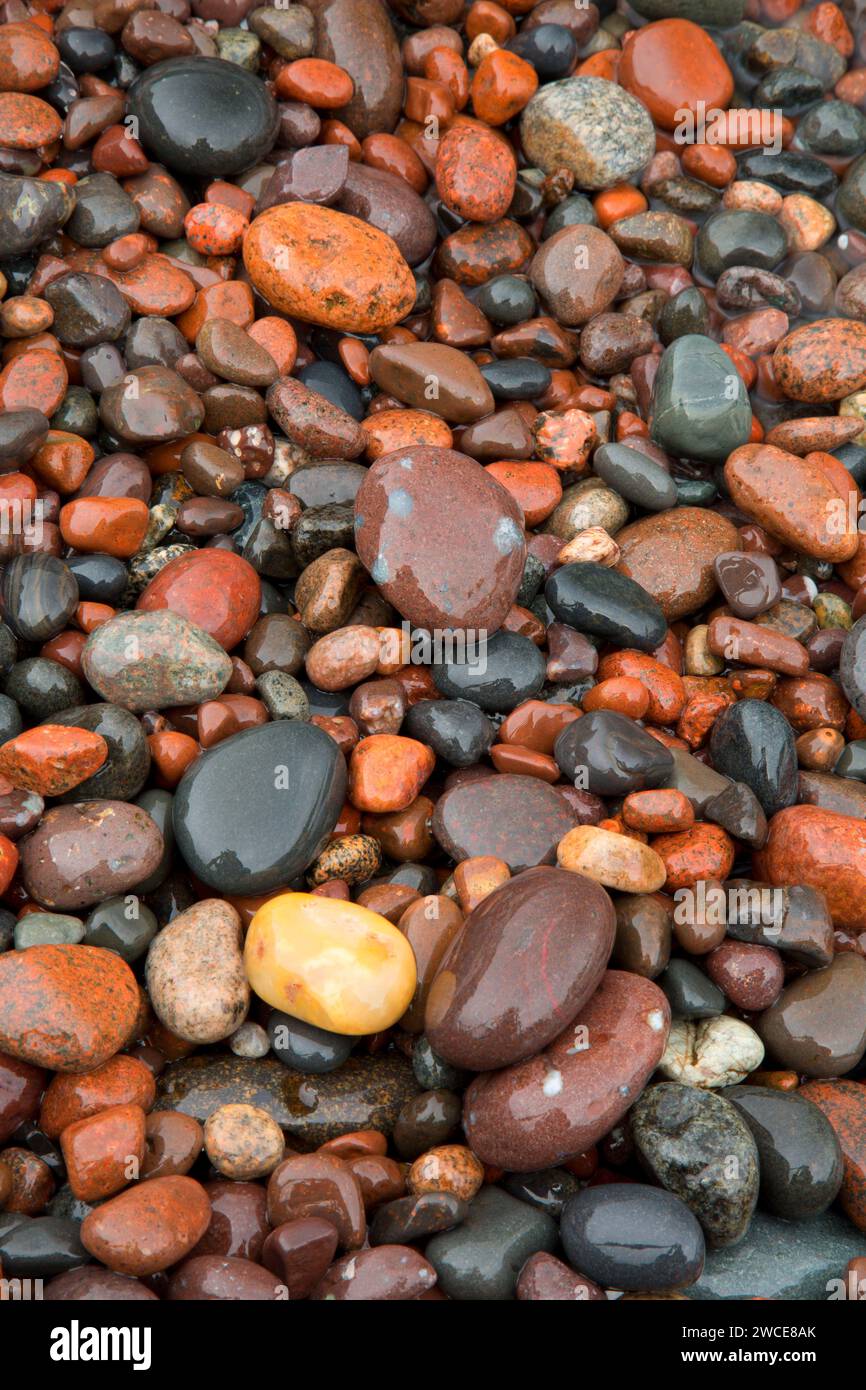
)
(671, 556)
(83, 853)
(700, 406)
(813, 1024)
(519, 820)
(698, 1147)
(148, 1228)
(481, 1259)
(195, 975)
(815, 1253)
(800, 1157)
(630, 1236)
(711, 1052)
(89, 991)
(842, 1104)
(582, 124)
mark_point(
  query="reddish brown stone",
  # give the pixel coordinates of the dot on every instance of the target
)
(148, 1228)
(66, 1007)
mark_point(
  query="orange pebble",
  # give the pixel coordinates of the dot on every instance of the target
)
(604, 65)
(214, 229)
(90, 616)
(486, 17)
(317, 82)
(66, 649)
(172, 754)
(387, 771)
(502, 86)
(535, 487)
(445, 66)
(111, 525)
(704, 851)
(658, 811)
(278, 337)
(337, 133)
(623, 694)
(712, 164)
(624, 200)
(524, 762)
(400, 429)
(8, 862)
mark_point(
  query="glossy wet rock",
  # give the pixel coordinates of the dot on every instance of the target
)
(481, 1259)
(536, 1113)
(480, 1013)
(697, 1146)
(595, 599)
(694, 412)
(405, 511)
(517, 819)
(221, 811)
(671, 556)
(180, 105)
(800, 1157)
(561, 127)
(65, 1007)
(752, 743)
(496, 672)
(781, 1260)
(85, 852)
(629, 1236)
(195, 973)
(814, 1025)
(611, 755)
(148, 1228)
(822, 849)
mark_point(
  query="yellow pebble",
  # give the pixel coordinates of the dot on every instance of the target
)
(333, 964)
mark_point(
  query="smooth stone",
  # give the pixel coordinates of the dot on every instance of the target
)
(494, 1001)
(123, 925)
(100, 578)
(88, 851)
(41, 1247)
(388, 1273)
(518, 819)
(459, 392)
(700, 405)
(752, 742)
(610, 755)
(695, 780)
(539, 1112)
(40, 688)
(47, 929)
(151, 660)
(481, 1259)
(630, 1236)
(255, 810)
(30, 211)
(385, 201)
(407, 511)
(816, 1025)
(433, 1072)
(734, 236)
(697, 1146)
(69, 1008)
(636, 477)
(603, 136)
(749, 581)
(89, 1285)
(88, 309)
(605, 603)
(671, 556)
(548, 1190)
(195, 975)
(125, 770)
(690, 993)
(336, 964)
(151, 405)
(499, 672)
(711, 1052)
(305, 1048)
(103, 211)
(39, 595)
(852, 666)
(413, 1218)
(359, 37)
(457, 730)
(181, 105)
(800, 1157)
(781, 1260)
(365, 1093)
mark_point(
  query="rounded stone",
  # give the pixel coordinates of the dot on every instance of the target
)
(602, 134)
(150, 660)
(800, 1157)
(86, 852)
(700, 405)
(68, 1008)
(671, 556)
(216, 590)
(518, 819)
(195, 976)
(407, 512)
(629, 1236)
(181, 105)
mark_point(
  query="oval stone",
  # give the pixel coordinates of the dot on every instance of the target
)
(630, 1236)
(671, 556)
(154, 660)
(518, 819)
(700, 405)
(255, 810)
(818, 1025)
(822, 361)
(752, 742)
(334, 964)
(528, 958)
(801, 1161)
(606, 603)
(409, 509)
(326, 267)
(69, 1008)
(824, 850)
(92, 850)
(537, 1113)
(181, 107)
(216, 590)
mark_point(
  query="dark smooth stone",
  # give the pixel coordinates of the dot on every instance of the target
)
(327, 484)
(385, 201)
(314, 175)
(100, 578)
(684, 313)
(853, 456)
(852, 761)
(40, 1247)
(85, 50)
(548, 1189)
(852, 194)
(801, 1161)
(833, 127)
(507, 299)
(153, 342)
(103, 212)
(239, 1221)
(123, 925)
(790, 171)
(516, 378)
(11, 722)
(305, 1048)
(365, 1093)
(30, 211)
(39, 596)
(739, 811)
(800, 928)
(299, 1252)
(790, 89)
(506, 669)
(88, 309)
(600, 601)
(693, 415)
(575, 210)
(457, 730)
(690, 993)
(481, 1259)
(643, 934)
(254, 811)
(752, 742)
(698, 1147)
(526, 961)
(413, 1218)
(181, 107)
(426, 1121)
(116, 475)
(21, 433)
(125, 770)
(518, 819)
(101, 366)
(629, 1236)
(737, 237)
(635, 477)
(431, 1071)
(21, 1086)
(549, 48)
(816, 1025)
(749, 581)
(42, 688)
(610, 755)
(336, 386)
(158, 805)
